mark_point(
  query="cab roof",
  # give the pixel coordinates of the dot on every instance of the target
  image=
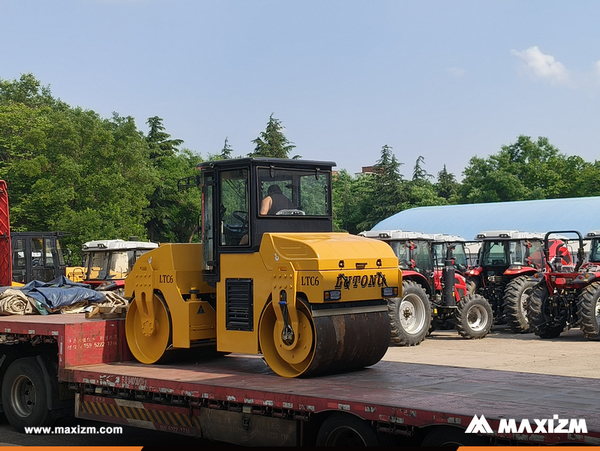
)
(262, 161)
(508, 235)
(391, 235)
(100, 245)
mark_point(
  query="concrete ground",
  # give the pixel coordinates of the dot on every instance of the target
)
(571, 354)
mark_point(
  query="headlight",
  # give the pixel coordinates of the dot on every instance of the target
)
(333, 295)
(389, 292)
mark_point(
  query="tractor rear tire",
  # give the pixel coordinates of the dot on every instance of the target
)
(588, 310)
(542, 322)
(516, 297)
(474, 317)
(410, 315)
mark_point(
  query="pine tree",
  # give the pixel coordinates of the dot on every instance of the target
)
(272, 143)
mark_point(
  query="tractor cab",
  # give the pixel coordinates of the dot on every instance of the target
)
(414, 252)
(37, 256)
(440, 245)
(106, 263)
(509, 252)
(246, 197)
(594, 254)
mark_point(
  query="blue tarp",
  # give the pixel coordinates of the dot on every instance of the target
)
(58, 293)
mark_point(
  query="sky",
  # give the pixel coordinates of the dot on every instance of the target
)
(445, 80)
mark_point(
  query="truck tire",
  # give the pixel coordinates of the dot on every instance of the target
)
(516, 297)
(341, 429)
(25, 396)
(410, 316)
(452, 436)
(474, 317)
(588, 310)
(544, 322)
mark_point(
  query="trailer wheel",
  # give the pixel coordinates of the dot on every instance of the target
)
(588, 310)
(474, 317)
(410, 315)
(516, 296)
(547, 320)
(452, 436)
(346, 430)
(25, 396)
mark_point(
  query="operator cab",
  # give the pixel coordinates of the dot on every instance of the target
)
(413, 249)
(234, 191)
(440, 245)
(503, 249)
(37, 256)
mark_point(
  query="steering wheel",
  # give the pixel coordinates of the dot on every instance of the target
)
(241, 216)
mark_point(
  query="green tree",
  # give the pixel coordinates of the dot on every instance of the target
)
(272, 143)
(179, 211)
(524, 170)
(349, 203)
(159, 141)
(68, 169)
(419, 173)
(226, 151)
(447, 186)
(166, 202)
(384, 191)
(27, 91)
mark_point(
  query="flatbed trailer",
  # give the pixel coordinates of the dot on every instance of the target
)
(87, 370)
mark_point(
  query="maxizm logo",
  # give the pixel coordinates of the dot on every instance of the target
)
(554, 425)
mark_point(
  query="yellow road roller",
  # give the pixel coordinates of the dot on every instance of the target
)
(270, 276)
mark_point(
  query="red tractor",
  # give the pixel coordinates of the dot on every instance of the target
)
(566, 295)
(470, 315)
(433, 288)
(507, 259)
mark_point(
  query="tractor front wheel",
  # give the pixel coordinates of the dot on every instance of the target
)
(474, 317)
(410, 315)
(588, 310)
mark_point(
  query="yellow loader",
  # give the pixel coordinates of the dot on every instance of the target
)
(270, 277)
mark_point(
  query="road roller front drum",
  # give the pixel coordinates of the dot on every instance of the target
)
(323, 343)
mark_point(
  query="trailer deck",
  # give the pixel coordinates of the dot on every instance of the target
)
(389, 392)
(397, 397)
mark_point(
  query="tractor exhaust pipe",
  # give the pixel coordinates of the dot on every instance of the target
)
(448, 279)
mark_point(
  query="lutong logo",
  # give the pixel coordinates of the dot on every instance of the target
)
(554, 425)
(362, 281)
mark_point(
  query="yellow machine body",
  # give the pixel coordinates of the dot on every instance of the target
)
(169, 277)
(270, 277)
(298, 270)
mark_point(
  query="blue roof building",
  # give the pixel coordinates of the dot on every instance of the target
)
(579, 213)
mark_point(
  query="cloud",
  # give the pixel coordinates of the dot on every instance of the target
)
(543, 67)
(456, 71)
